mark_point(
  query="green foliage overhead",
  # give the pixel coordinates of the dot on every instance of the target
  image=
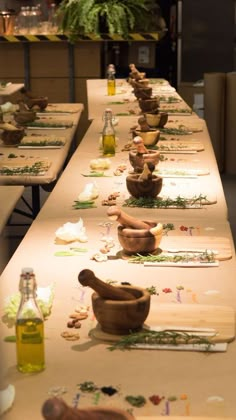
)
(79, 17)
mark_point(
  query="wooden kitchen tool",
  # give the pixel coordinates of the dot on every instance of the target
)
(106, 291)
(56, 408)
(115, 213)
(220, 318)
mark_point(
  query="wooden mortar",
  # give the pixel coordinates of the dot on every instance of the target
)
(120, 317)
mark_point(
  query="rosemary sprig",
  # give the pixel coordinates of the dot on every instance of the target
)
(160, 338)
(43, 143)
(122, 114)
(169, 99)
(178, 202)
(203, 257)
(116, 103)
(181, 130)
(176, 110)
(36, 169)
(48, 124)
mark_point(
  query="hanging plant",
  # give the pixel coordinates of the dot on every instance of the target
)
(81, 17)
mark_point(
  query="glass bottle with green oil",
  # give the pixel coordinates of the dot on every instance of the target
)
(111, 80)
(108, 135)
(29, 326)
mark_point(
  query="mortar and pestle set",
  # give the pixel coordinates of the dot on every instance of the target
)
(143, 183)
(34, 102)
(119, 310)
(134, 235)
(24, 115)
(149, 135)
(142, 90)
(10, 135)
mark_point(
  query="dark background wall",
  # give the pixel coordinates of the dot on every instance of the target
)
(207, 37)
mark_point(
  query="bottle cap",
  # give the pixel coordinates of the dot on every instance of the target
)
(111, 68)
(27, 270)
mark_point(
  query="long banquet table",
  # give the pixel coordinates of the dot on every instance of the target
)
(189, 383)
(54, 157)
(124, 103)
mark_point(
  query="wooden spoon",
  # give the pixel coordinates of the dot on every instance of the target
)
(87, 278)
(115, 213)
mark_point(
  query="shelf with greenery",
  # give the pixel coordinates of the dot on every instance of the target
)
(113, 17)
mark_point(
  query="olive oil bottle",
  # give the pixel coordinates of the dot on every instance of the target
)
(108, 135)
(29, 326)
(111, 80)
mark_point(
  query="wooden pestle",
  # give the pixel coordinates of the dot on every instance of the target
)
(87, 278)
(143, 124)
(138, 142)
(115, 213)
(146, 175)
(22, 107)
(56, 409)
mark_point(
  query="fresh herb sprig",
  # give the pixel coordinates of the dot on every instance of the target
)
(48, 124)
(176, 110)
(169, 99)
(160, 338)
(181, 130)
(178, 202)
(43, 143)
(79, 205)
(203, 257)
(38, 168)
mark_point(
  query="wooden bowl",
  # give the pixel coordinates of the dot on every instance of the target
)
(141, 241)
(40, 102)
(143, 92)
(12, 137)
(119, 316)
(143, 82)
(156, 120)
(150, 138)
(149, 105)
(149, 188)
(137, 160)
(24, 117)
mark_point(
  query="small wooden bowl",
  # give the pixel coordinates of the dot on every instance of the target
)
(12, 137)
(137, 160)
(140, 241)
(119, 316)
(149, 105)
(144, 82)
(24, 117)
(143, 92)
(149, 188)
(156, 120)
(150, 138)
(40, 102)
